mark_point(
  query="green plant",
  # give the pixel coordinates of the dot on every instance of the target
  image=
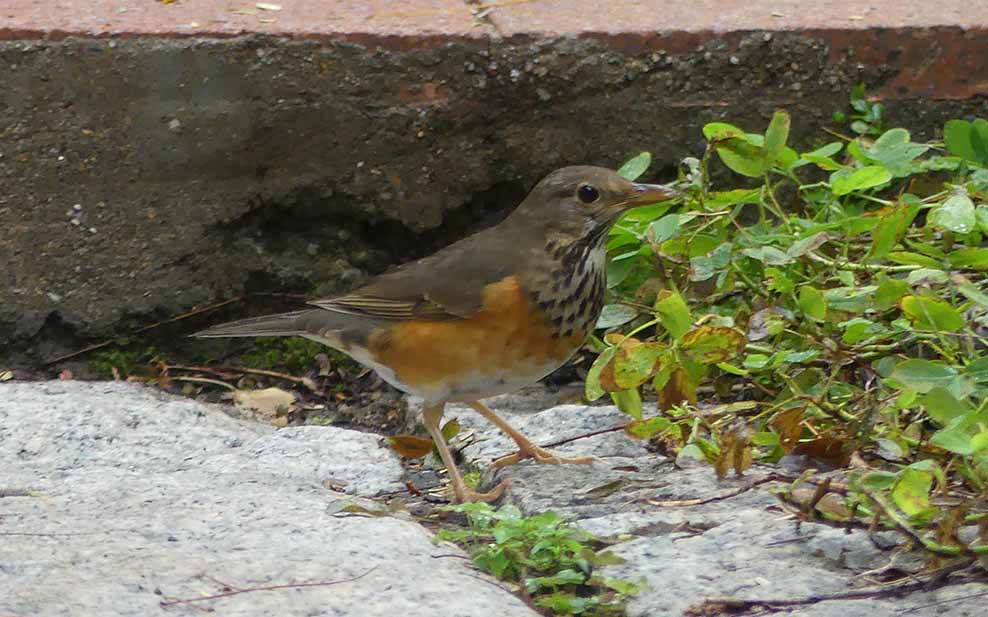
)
(866, 117)
(293, 354)
(552, 561)
(125, 361)
(838, 296)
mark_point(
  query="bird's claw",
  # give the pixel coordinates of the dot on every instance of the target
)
(467, 494)
(540, 456)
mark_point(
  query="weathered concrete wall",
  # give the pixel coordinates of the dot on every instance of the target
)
(142, 176)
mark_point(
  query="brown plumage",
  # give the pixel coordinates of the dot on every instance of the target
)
(486, 315)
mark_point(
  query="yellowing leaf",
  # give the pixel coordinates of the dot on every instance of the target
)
(712, 344)
(911, 492)
(679, 389)
(931, 314)
(789, 426)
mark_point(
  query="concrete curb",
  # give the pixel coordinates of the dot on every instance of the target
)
(150, 165)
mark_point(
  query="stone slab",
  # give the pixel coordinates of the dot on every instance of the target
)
(116, 498)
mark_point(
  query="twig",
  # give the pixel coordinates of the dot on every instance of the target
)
(847, 265)
(981, 594)
(215, 382)
(234, 592)
(304, 381)
(682, 503)
(602, 431)
(903, 526)
(733, 606)
(94, 347)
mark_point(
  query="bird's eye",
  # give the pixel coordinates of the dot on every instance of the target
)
(587, 194)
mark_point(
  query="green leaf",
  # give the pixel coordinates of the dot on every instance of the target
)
(812, 302)
(769, 255)
(593, 389)
(955, 438)
(821, 157)
(843, 182)
(805, 245)
(560, 578)
(977, 370)
(721, 130)
(911, 492)
(646, 429)
(968, 140)
(635, 167)
(913, 259)
(561, 603)
(956, 214)
(931, 314)
(852, 299)
(724, 199)
(674, 314)
(776, 136)
(663, 229)
(942, 407)
(970, 291)
(971, 259)
(923, 375)
(895, 151)
(880, 480)
(613, 315)
(889, 292)
(859, 329)
(628, 401)
(979, 443)
(890, 229)
(742, 157)
(979, 139)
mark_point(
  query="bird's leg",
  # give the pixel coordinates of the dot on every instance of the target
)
(526, 449)
(433, 415)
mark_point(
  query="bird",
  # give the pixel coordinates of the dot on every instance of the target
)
(486, 315)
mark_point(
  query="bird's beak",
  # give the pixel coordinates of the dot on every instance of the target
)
(644, 194)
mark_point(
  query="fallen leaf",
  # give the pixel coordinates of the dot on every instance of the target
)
(267, 6)
(679, 389)
(828, 450)
(735, 450)
(788, 425)
(269, 403)
(410, 446)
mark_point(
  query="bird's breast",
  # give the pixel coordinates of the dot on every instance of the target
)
(509, 343)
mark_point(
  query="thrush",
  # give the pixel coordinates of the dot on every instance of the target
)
(484, 316)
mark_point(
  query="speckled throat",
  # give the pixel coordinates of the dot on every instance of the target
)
(570, 289)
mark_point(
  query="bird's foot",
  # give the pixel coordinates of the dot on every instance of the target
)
(465, 494)
(543, 457)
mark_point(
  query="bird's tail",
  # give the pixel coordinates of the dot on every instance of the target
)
(282, 324)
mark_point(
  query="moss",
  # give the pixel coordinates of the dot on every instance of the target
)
(293, 354)
(125, 360)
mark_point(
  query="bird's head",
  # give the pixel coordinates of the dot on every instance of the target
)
(583, 202)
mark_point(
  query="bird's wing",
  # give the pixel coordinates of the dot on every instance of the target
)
(447, 285)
